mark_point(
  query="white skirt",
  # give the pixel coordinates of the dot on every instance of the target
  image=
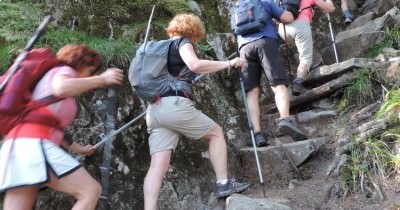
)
(28, 161)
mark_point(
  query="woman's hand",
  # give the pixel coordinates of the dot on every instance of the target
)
(82, 150)
(112, 76)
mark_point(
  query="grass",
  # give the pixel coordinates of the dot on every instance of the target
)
(362, 90)
(392, 40)
(118, 52)
(370, 161)
(391, 105)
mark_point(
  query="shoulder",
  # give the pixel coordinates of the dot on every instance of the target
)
(182, 41)
(63, 70)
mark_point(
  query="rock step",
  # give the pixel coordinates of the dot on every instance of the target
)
(277, 162)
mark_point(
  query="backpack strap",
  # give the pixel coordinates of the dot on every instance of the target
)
(30, 115)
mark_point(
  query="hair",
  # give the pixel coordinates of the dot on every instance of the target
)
(77, 56)
(187, 25)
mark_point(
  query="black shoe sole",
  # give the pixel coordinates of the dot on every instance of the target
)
(230, 192)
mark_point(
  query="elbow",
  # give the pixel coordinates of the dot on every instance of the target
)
(60, 92)
(194, 67)
(287, 17)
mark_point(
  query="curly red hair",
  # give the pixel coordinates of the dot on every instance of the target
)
(79, 55)
(187, 25)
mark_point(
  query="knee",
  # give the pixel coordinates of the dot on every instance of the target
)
(279, 90)
(216, 133)
(94, 190)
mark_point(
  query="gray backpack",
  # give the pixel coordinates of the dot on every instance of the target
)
(148, 72)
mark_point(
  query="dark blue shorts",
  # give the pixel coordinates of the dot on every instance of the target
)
(263, 54)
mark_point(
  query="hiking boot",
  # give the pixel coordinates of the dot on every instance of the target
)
(347, 20)
(285, 126)
(260, 139)
(348, 16)
(298, 89)
(232, 186)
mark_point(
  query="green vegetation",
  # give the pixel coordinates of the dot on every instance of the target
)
(18, 27)
(371, 160)
(362, 90)
(368, 164)
(391, 105)
(392, 40)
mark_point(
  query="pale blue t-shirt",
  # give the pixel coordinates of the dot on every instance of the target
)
(273, 11)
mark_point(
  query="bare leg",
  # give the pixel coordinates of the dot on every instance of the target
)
(282, 99)
(218, 152)
(343, 4)
(152, 182)
(21, 198)
(302, 70)
(81, 185)
(254, 108)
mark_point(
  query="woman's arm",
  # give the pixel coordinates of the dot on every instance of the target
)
(64, 86)
(201, 66)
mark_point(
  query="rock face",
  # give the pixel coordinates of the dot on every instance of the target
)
(190, 180)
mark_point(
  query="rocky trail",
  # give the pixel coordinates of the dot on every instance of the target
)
(304, 174)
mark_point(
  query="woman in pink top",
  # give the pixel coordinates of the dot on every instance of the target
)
(299, 33)
(30, 155)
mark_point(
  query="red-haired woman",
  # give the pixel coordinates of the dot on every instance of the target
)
(31, 155)
(175, 115)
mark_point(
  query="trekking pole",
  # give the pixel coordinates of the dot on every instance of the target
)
(104, 139)
(287, 49)
(246, 107)
(146, 37)
(287, 55)
(332, 37)
(38, 33)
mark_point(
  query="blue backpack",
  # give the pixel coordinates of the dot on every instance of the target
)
(248, 16)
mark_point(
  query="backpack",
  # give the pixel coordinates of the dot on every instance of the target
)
(148, 72)
(292, 6)
(248, 16)
(16, 105)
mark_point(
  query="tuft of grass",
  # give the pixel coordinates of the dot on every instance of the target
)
(392, 40)
(115, 52)
(391, 105)
(370, 160)
(395, 206)
(362, 90)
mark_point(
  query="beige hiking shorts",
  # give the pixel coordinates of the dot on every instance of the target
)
(299, 33)
(171, 117)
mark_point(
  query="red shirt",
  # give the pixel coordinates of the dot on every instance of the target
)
(65, 110)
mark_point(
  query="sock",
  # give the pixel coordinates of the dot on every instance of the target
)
(298, 80)
(222, 181)
(348, 14)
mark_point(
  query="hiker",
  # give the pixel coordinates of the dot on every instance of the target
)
(260, 50)
(299, 33)
(348, 16)
(174, 114)
(31, 155)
